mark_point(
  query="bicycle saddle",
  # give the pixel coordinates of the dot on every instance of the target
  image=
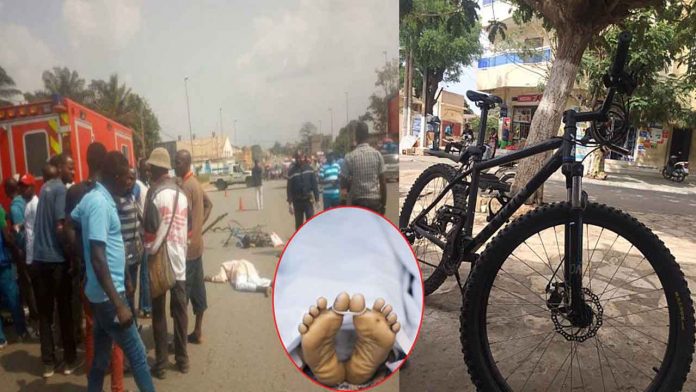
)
(477, 96)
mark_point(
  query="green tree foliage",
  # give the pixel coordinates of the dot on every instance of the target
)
(64, 82)
(443, 36)
(111, 98)
(576, 24)
(658, 44)
(7, 88)
(387, 81)
(306, 131)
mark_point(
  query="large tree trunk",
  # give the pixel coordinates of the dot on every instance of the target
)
(434, 79)
(548, 116)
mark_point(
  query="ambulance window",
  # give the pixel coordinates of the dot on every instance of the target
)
(38, 145)
(124, 151)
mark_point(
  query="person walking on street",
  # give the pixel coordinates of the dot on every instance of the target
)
(363, 174)
(105, 287)
(329, 175)
(199, 207)
(52, 276)
(166, 224)
(302, 185)
(257, 182)
(142, 185)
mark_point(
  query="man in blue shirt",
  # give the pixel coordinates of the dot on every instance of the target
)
(51, 272)
(9, 293)
(105, 263)
(329, 177)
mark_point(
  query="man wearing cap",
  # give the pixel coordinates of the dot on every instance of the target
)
(166, 222)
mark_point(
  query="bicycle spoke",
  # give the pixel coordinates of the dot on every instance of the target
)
(601, 372)
(611, 370)
(640, 332)
(631, 314)
(604, 257)
(517, 338)
(627, 283)
(529, 266)
(526, 287)
(625, 360)
(428, 264)
(628, 295)
(617, 270)
(537, 362)
(557, 372)
(539, 257)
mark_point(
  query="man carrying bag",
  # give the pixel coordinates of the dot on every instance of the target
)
(166, 227)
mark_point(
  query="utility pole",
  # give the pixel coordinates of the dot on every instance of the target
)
(332, 132)
(188, 111)
(143, 149)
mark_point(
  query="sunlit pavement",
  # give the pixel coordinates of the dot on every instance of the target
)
(437, 362)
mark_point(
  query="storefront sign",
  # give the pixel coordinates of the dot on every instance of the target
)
(527, 98)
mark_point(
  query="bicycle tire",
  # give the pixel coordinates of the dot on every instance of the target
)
(433, 281)
(677, 358)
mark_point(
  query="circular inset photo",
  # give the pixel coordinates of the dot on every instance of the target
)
(348, 299)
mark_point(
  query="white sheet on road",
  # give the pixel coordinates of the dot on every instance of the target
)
(352, 250)
(242, 275)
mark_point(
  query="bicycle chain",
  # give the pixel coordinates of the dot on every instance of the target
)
(592, 332)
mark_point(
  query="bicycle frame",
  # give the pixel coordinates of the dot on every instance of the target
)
(464, 245)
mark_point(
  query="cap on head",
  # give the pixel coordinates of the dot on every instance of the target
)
(27, 180)
(159, 157)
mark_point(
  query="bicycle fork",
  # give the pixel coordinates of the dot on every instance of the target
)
(579, 313)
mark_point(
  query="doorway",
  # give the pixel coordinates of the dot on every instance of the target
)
(681, 143)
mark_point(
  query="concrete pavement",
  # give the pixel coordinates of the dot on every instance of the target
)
(437, 362)
(241, 351)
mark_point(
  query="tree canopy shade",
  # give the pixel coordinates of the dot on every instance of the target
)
(576, 23)
(387, 81)
(443, 37)
(7, 88)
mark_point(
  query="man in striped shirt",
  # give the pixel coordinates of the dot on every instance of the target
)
(329, 177)
(130, 217)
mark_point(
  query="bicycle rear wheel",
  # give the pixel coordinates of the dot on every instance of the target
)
(515, 336)
(424, 191)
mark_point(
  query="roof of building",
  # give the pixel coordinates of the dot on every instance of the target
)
(205, 148)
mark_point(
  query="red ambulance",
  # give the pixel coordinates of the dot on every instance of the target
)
(30, 134)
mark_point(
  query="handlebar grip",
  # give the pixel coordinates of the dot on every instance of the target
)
(621, 53)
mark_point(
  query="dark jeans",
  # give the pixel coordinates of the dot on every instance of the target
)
(26, 291)
(195, 285)
(132, 276)
(76, 306)
(53, 284)
(177, 307)
(371, 204)
(106, 331)
(9, 292)
(145, 304)
(304, 209)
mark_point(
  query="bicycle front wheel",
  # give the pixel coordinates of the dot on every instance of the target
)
(517, 334)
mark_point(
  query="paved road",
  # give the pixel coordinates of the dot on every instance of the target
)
(241, 351)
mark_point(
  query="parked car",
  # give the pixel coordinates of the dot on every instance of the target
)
(391, 167)
(230, 175)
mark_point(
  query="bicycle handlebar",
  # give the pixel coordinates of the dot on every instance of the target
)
(621, 53)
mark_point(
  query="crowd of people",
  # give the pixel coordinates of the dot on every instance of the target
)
(357, 180)
(80, 250)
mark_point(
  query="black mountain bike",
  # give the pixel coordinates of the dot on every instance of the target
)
(573, 295)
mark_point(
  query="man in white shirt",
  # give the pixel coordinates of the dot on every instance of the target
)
(160, 225)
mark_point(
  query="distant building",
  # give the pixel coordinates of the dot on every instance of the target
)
(208, 149)
(243, 155)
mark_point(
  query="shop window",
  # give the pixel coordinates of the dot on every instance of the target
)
(37, 143)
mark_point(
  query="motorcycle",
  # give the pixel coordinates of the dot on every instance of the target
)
(675, 170)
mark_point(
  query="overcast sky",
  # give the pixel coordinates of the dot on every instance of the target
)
(271, 65)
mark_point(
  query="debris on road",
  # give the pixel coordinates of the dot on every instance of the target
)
(243, 276)
(248, 237)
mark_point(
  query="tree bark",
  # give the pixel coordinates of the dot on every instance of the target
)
(434, 79)
(547, 118)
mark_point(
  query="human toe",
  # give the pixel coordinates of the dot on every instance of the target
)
(357, 303)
